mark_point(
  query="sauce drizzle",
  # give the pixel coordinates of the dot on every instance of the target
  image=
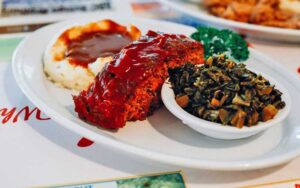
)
(88, 47)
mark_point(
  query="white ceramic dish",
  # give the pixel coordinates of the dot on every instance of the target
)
(162, 137)
(216, 130)
(195, 9)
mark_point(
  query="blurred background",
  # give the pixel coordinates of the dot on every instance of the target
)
(17, 16)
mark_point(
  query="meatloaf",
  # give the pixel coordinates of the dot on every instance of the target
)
(128, 88)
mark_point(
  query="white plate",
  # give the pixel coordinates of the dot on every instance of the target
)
(195, 9)
(162, 137)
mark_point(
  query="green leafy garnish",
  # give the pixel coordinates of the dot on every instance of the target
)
(217, 42)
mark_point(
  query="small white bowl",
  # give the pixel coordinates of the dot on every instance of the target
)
(217, 130)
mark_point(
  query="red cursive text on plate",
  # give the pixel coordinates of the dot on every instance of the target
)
(25, 113)
(14, 115)
(84, 142)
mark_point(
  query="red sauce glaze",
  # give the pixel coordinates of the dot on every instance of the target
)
(88, 47)
(298, 70)
(131, 66)
(113, 86)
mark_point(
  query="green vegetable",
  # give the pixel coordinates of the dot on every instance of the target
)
(222, 41)
(225, 92)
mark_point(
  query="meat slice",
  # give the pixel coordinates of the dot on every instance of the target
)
(129, 86)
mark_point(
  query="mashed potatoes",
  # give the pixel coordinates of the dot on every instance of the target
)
(78, 54)
(71, 76)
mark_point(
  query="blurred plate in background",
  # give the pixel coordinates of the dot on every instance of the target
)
(194, 8)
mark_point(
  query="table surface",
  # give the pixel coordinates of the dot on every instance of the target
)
(41, 153)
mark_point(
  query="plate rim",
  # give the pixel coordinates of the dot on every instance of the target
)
(136, 150)
(229, 23)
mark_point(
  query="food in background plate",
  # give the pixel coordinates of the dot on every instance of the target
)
(129, 86)
(290, 5)
(79, 53)
(276, 13)
(225, 92)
